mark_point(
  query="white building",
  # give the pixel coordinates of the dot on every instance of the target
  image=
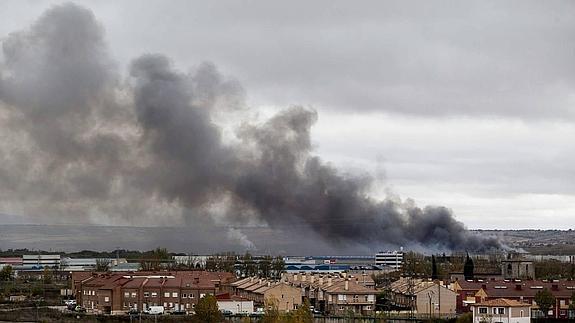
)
(40, 261)
(393, 259)
(501, 310)
(235, 304)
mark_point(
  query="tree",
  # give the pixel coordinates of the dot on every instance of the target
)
(384, 300)
(303, 313)
(572, 302)
(47, 275)
(102, 265)
(545, 300)
(153, 259)
(278, 267)
(465, 318)
(468, 268)
(6, 273)
(433, 268)
(264, 266)
(207, 310)
(272, 314)
(248, 266)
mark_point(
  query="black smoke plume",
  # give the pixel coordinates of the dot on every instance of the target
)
(79, 143)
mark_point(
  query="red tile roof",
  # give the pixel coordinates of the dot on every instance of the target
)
(517, 289)
(502, 302)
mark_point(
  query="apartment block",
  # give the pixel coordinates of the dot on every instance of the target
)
(116, 293)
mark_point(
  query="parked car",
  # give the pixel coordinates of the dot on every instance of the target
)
(80, 309)
(154, 310)
(70, 302)
(226, 312)
(181, 312)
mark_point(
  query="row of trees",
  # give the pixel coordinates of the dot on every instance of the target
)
(246, 265)
(266, 266)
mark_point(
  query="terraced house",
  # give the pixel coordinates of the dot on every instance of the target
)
(119, 292)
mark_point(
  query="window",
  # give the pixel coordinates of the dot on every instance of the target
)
(174, 294)
(202, 295)
(184, 295)
(368, 308)
(154, 294)
(187, 305)
(170, 304)
(106, 299)
(146, 294)
(521, 313)
(501, 310)
(483, 310)
(165, 304)
(126, 294)
(191, 295)
(166, 294)
(134, 294)
(341, 297)
(341, 308)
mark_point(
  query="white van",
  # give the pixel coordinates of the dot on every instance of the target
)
(154, 310)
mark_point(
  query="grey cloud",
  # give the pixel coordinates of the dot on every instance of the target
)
(89, 154)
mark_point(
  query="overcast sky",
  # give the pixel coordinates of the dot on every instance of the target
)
(466, 104)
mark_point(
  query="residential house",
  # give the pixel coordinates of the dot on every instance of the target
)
(472, 292)
(501, 310)
(347, 296)
(424, 296)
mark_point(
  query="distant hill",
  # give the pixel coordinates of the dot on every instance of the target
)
(541, 242)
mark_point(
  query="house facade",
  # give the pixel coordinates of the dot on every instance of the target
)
(348, 296)
(117, 293)
(424, 296)
(501, 310)
(474, 292)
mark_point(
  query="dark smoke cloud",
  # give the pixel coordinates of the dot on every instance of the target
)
(82, 144)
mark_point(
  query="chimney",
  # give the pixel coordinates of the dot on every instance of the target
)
(518, 287)
(329, 281)
(346, 284)
(294, 277)
(320, 280)
(303, 277)
(311, 278)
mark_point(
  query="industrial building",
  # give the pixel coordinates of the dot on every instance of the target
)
(392, 259)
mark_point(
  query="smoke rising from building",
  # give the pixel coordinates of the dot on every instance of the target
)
(82, 144)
